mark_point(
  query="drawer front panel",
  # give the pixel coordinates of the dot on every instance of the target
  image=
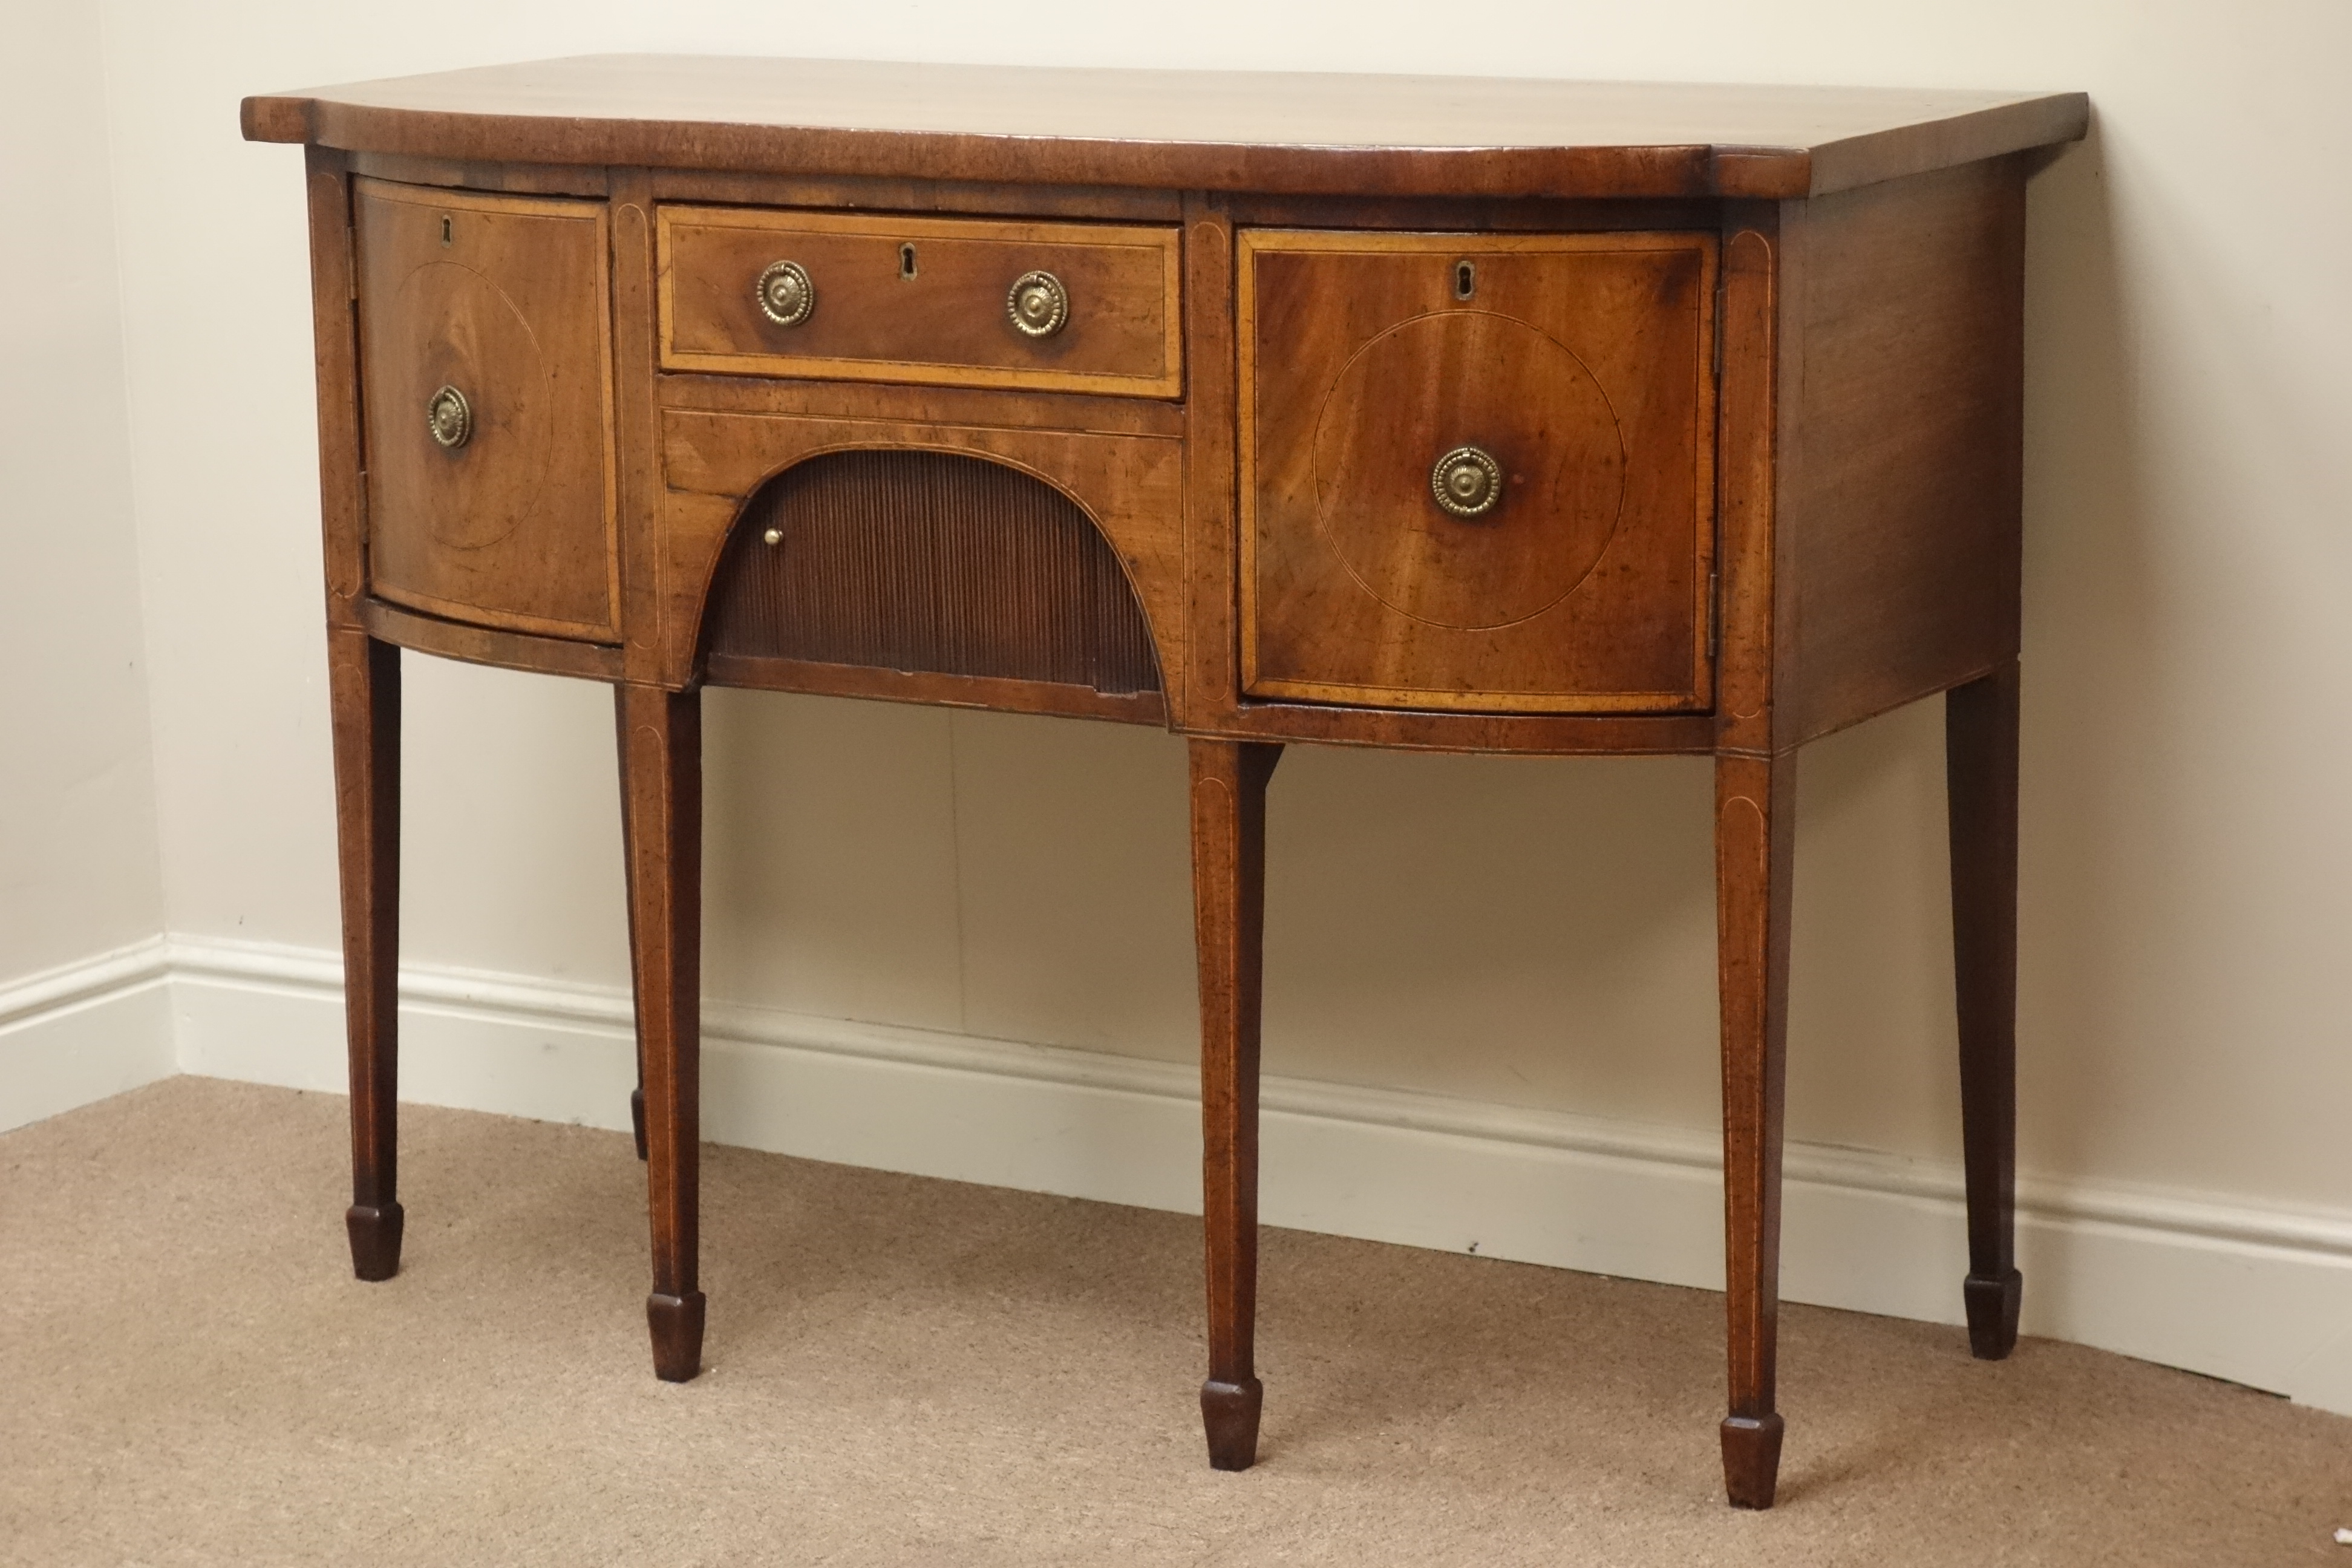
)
(920, 300)
(1478, 469)
(487, 385)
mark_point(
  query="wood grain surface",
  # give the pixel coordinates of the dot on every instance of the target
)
(1581, 363)
(1234, 131)
(1749, 585)
(910, 404)
(335, 347)
(926, 563)
(1229, 782)
(364, 698)
(504, 299)
(637, 422)
(1128, 487)
(921, 300)
(405, 628)
(1750, 360)
(1755, 849)
(661, 806)
(1900, 442)
(1980, 769)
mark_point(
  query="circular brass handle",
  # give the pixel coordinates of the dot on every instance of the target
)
(786, 296)
(1038, 304)
(1466, 481)
(450, 418)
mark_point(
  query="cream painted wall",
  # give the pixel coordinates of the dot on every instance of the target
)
(78, 868)
(1533, 932)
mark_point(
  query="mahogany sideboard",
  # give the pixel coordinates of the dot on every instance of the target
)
(1456, 414)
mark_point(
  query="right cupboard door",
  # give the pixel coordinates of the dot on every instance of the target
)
(1476, 471)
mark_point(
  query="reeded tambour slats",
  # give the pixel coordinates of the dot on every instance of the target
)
(928, 562)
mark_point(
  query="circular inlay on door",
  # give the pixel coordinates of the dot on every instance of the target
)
(471, 336)
(1457, 379)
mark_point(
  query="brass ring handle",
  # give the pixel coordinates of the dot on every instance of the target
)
(1038, 304)
(450, 418)
(785, 294)
(1466, 481)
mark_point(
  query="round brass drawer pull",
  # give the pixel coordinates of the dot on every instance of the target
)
(450, 418)
(1466, 482)
(1038, 304)
(786, 295)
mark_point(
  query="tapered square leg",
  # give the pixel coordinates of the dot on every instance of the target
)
(1229, 782)
(661, 802)
(1980, 774)
(1754, 817)
(363, 690)
(629, 871)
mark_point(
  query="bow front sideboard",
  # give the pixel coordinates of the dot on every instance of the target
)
(1468, 416)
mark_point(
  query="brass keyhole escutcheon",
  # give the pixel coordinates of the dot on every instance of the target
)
(1038, 304)
(450, 418)
(786, 296)
(1466, 481)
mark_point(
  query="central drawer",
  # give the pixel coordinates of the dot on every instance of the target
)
(1056, 307)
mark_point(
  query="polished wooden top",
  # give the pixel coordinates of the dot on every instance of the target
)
(1400, 135)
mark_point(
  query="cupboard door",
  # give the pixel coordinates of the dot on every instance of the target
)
(1478, 471)
(487, 388)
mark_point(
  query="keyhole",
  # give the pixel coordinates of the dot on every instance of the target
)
(447, 225)
(1465, 279)
(906, 261)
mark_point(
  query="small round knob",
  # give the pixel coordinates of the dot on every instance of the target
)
(1466, 482)
(1038, 304)
(786, 295)
(773, 536)
(450, 418)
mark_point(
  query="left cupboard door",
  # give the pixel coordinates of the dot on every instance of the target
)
(486, 377)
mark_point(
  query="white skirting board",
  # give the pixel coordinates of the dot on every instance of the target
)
(2257, 1295)
(84, 1031)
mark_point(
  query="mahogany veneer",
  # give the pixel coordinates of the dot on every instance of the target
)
(910, 299)
(1488, 415)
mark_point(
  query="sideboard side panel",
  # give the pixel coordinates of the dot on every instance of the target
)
(1901, 441)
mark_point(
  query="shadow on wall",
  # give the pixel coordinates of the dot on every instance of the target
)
(2092, 638)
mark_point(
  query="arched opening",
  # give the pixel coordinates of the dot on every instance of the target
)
(933, 564)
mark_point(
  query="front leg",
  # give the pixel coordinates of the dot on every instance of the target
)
(363, 687)
(1980, 774)
(1755, 799)
(1229, 780)
(661, 802)
(629, 874)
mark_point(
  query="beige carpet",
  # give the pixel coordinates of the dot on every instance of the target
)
(915, 1372)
